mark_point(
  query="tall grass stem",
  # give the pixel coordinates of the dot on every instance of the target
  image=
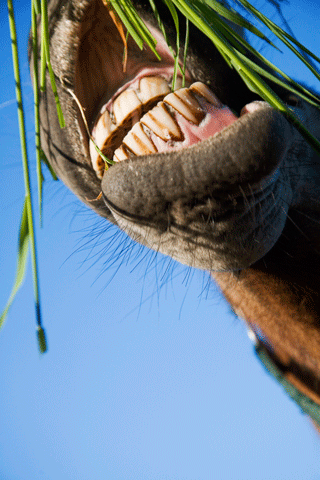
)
(25, 163)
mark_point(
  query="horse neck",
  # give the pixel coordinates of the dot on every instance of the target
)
(279, 297)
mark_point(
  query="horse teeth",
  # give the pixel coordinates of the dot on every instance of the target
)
(120, 154)
(96, 161)
(125, 104)
(101, 131)
(152, 88)
(205, 92)
(103, 128)
(160, 122)
(105, 122)
(138, 141)
(186, 104)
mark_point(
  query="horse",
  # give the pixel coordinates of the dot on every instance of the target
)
(207, 173)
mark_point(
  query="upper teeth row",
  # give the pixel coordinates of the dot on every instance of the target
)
(129, 104)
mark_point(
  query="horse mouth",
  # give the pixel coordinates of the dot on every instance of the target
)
(151, 119)
(134, 109)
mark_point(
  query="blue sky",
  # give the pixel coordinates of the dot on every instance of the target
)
(148, 375)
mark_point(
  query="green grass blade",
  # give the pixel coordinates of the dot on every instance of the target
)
(34, 36)
(293, 87)
(56, 96)
(36, 6)
(45, 60)
(175, 18)
(23, 248)
(48, 165)
(238, 19)
(299, 89)
(302, 47)
(42, 343)
(135, 26)
(283, 36)
(276, 103)
(161, 25)
(43, 66)
(44, 46)
(186, 43)
(164, 33)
